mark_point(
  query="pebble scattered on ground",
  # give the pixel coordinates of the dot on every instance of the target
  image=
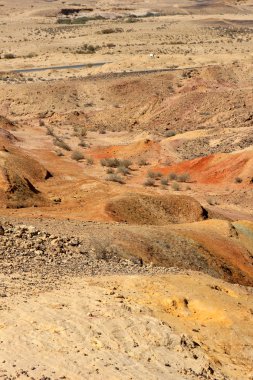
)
(42, 259)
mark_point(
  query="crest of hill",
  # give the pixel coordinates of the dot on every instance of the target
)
(155, 209)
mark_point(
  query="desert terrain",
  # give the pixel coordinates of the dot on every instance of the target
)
(126, 189)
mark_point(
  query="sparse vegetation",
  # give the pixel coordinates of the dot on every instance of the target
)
(175, 186)
(77, 156)
(170, 133)
(123, 170)
(110, 162)
(184, 177)
(115, 163)
(83, 144)
(125, 163)
(132, 19)
(154, 175)
(164, 181)
(142, 162)
(9, 56)
(149, 182)
(111, 30)
(80, 131)
(115, 178)
(59, 153)
(78, 20)
(61, 144)
(172, 176)
(90, 161)
(87, 49)
(31, 55)
(166, 102)
(50, 131)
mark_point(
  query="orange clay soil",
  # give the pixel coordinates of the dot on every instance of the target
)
(216, 169)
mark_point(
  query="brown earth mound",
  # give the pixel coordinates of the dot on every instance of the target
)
(227, 246)
(6, 123)
(6, 138)
(155, 209)
(18, 174)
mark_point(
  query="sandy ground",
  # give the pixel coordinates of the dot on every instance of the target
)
(182, 36)
(130, 327)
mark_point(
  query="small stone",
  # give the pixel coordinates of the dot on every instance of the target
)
(74, 242)
(57, 200)
(31, 230)
(38, 252)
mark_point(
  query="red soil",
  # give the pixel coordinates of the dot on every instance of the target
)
(145, 147)
(215, 169)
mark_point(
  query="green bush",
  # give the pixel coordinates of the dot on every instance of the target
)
(87, 49)
(123, 170)
(9, 56)
(115, 178)
(78, 20)
(184, 177)
(90, 161)
(50, 131)
(142, 162)
(61, 144)
(64, 21)
(83, 144)
(172, 176)
(154, 175)
(80, 131)
(175, 186)
(125, 163)
(149, 182)
(169, 133)
(111, 30)
(115, 163)
(59, 153)
(77, 156)
(164, 181)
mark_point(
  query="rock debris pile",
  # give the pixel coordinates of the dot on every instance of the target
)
(27, 249)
